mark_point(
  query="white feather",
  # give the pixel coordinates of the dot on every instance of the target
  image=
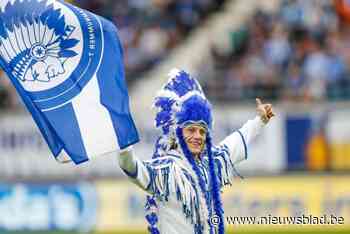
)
(3, 52)
(30, 28)
(9, 49)
(173, 73)
(25, 35)
(19, 38)
(12, 39)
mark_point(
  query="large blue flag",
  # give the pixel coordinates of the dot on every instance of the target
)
(66, 64)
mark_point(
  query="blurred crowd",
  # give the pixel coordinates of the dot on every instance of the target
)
(299, 53)
(149, 29)
(8, 95)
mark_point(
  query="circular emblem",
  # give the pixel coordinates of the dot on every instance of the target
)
(50, 47)
(39, 52)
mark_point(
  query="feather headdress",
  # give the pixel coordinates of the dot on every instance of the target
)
(180, 102)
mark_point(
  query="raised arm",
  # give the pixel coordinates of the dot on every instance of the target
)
(238, 142)
(234, 148)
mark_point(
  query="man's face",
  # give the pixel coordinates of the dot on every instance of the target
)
(195, 136)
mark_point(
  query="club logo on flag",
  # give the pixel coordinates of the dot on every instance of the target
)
(47, 55)
(43, 56)
(67, 66)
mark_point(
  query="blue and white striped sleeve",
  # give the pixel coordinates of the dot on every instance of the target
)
(134, 169)
(239, 141)
(151, 176)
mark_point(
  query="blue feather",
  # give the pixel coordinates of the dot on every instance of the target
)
(69, 43)
(182, 84)
(195, 109)
(67, 53)
(163, 118)
(215, 185)
(179, 85)
(27, 12)
(151, 216)
(165, 103)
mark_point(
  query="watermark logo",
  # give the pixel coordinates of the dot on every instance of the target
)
(278, 220)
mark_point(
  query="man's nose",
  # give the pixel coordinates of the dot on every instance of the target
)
(197, 135)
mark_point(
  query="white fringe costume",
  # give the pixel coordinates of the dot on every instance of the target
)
(181, 206)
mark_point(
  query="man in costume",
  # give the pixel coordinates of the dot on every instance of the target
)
(186, 174)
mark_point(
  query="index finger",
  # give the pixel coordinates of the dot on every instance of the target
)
(258, 101)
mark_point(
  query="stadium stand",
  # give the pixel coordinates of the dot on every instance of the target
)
(149, 30)
(299, 53)
(277, 55)
(292, 53)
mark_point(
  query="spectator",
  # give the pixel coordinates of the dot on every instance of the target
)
(298, 53)
(150, 29)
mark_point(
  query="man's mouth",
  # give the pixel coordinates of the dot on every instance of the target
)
(196, 144)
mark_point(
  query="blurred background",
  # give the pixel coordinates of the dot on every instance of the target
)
(292, 53)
